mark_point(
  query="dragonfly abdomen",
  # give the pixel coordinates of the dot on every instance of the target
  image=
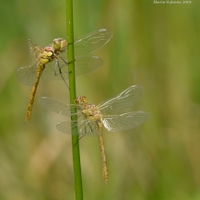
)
(103, 155)
(39, 71)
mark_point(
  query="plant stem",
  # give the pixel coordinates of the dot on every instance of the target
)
(72, 86)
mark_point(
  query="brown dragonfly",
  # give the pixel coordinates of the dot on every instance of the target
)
(112, 114)
(56, 57)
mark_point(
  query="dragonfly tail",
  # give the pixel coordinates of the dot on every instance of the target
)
(40, 69)
(103, 158)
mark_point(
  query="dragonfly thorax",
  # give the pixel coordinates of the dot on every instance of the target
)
(46, 56)
(92, 112)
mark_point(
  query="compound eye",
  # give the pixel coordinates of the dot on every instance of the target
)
(77, 100)
(59, 44)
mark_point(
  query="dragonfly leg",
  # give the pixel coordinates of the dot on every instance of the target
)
(66, 62)
(60, 72)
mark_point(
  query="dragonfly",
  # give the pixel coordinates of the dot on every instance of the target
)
(112, 114)
(55, 57)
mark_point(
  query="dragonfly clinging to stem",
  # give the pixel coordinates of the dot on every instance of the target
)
(111, 114)
(55, 56)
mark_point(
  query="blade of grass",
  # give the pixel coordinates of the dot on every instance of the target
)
(72, 86)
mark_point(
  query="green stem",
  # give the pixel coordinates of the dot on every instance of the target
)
(72, 86)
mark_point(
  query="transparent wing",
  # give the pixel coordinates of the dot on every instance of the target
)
(27, 75)
(87, 64)
(92, 41)
(50, 71)
(121, 102)
(65, 127)
(126, 121)
(34, 50)
(85, 127)
(83, 65)
(57, 106)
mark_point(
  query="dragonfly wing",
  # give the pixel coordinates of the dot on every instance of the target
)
(57, 106)
(87, 64)
(49, 71)
(92, 41)
(27, 75)
(83, 65)
(53, 72)
(123, 101)
(65, 127)
(126, 121)
(85, 127)
(34, 50)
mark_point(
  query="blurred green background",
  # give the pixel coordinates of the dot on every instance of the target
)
(156, 46)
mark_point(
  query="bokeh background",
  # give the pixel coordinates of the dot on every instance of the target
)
(154, 45)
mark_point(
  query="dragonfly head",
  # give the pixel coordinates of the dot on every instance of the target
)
(59, 44)
(81, 100)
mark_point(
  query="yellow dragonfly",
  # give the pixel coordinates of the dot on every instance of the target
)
(56, 57)
(112, 114)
